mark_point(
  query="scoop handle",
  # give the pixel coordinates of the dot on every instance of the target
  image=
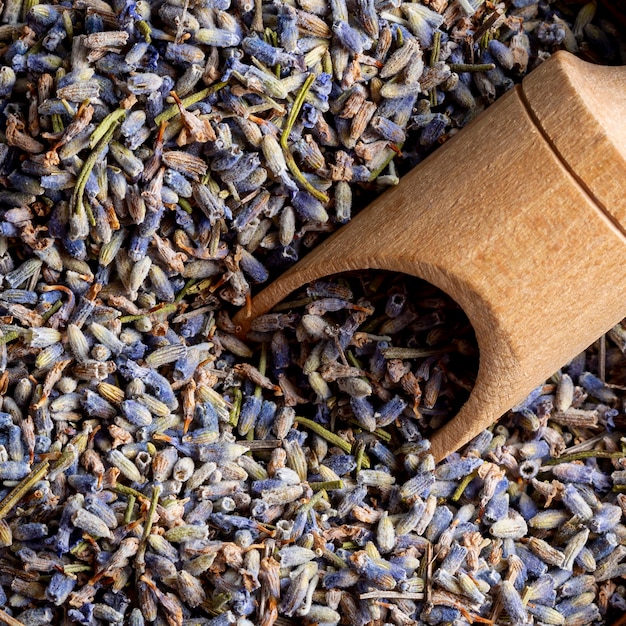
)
(581, 111)
(501, 222)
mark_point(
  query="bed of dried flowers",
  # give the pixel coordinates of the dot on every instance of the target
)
(157, 159)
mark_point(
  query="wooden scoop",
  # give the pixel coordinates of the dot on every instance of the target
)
(521, 219)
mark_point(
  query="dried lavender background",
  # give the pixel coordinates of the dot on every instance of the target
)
(158, 158)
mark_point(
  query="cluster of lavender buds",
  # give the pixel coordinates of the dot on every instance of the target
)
(159, 158)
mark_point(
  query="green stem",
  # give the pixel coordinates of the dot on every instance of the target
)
(331, 437)
(436, 49)
(129, 491)
(236, 407)
(23, 487)
(105, 125)
(183, 292)
(333, 558)
(359, 452)
(184, 204)
(57, 123)
(258, 391)
(147, 528)
(89, 164)
(586, 454)
(376, 173)
(71, 111)
(173, 111)
(415, 353)
(200, 286)
(52, 310)
(145, 30)
(471, 67)
(317, 497)
(165, 309)
(216, 236)
(154, 500)
(74, 568)
(10, 336)
(328, 485)
(128, 513)
(284, 138)
(434, 57)
(463, 485)
(353, 360)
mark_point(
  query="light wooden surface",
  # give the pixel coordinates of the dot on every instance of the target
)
(495, 219)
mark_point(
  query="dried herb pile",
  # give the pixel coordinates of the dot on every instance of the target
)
(158, 161)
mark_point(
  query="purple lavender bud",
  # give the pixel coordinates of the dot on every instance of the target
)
(42, 62)
(570, 607)
(577, 585)
(603, 545)
(83, 483)
(97, 406)
(244, 167)
(341, 579)
(6, 421)
(455, 558)
(17, 48)
(363, 411)
(440, 522)
(288, 34)
(384, 455)
(526, 506)
(501, 53)
(352, 498)
(248, 414)
(59, 588)
(575, 502)
(136, 413)
(618, 602)
(341, 464)
(54, 37)
(176, 181)
(259, 486)
(84, 615)
(30, 531)
(535, 566)
(458, 468)
(101, 509)
(309, 208)
(14, 470)
(42, 444)
(206, 415)
(265, 420)
(441, 614)
(535, 450)
(497, 508)
(162, 389)
(253, 267)
(192, 326)
(390, 411)
(34, 617)
(392, 132)
(351, 38)
(573, 473)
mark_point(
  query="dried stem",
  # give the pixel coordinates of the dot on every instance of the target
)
(331, 437)
(23, 487)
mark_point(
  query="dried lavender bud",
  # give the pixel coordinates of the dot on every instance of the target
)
(158, 162)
